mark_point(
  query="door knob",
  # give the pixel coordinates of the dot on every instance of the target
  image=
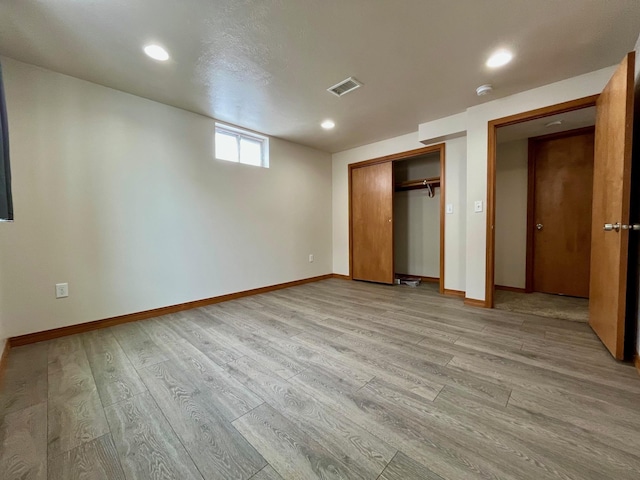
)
(539, 226)
(633, 226)
(389, 220)
(611, 226)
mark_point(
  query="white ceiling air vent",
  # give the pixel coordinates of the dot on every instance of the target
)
(345, 86)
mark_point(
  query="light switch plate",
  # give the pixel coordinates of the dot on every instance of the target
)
(477, 206)
(62, 290)
(449, 207)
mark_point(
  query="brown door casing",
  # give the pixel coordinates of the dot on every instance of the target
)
(561, 186)
(493, 126)
(611, 197)
(389, 159)
(372, 222)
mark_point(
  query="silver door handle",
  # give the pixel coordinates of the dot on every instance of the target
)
(539, 226)
(611, 226)
(633, 226)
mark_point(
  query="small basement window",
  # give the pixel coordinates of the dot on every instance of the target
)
(240, 146)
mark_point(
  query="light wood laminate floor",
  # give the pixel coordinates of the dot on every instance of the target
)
(332, 379)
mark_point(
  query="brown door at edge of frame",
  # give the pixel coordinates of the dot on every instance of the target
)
(372, 227)
(563, 186)
(611, 205)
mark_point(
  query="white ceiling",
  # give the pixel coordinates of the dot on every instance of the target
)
(585, 117)
(266, 64)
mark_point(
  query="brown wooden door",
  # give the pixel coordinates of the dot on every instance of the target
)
(371, 223)
(611, 188)
(563, 184)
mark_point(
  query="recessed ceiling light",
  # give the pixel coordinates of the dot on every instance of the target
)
(499, 58)
(553, 124)
(328, 124)
(156, 52)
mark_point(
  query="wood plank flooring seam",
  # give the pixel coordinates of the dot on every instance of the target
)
(436, 397)
(170, 425)
(176, 436)
(208, 415)
(541, 440)
(124, 400)
(296, 374)
(127, 355)
(172, 429)
(239, 416)
(79, 413)
(508, 399)
(119, 460)
(259, 472)
(114, 374)
(387, 465)
(25, 455)
(94, 381)
(367, 383)
(99, 454)
(109, 433)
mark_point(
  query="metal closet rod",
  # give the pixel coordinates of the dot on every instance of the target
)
(429, 183)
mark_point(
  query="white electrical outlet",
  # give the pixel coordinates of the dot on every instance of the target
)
(477, 206)
(449, 207)
(62, 290)
(311, 258)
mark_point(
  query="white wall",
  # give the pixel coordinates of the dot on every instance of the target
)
(3, 328)
(416, 220)
(511, 214)
(455, 238)
(122, 198)
(455, 178)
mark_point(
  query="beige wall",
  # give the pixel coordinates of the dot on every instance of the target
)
(122, 198)
(455, 151)
(417, 221)
(4, 330)
(511, 214)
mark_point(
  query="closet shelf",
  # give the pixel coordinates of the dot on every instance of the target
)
(433, 182)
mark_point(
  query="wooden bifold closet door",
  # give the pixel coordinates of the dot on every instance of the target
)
(372, 223)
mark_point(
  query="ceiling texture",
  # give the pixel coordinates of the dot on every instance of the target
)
(266, 64)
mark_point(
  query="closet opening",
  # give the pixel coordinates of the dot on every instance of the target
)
(396, 217)
(416, 215)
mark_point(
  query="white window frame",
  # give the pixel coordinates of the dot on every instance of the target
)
(240, 134)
